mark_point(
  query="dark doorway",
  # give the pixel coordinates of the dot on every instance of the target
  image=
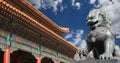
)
(20, 56)
(1, 56)
(62, 62)
(47, 60)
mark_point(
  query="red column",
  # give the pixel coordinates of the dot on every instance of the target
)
(38, 60)
(7, 55)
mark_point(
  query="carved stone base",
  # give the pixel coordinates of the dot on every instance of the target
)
(91, 60)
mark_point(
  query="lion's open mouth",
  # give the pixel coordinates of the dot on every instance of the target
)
(91, 23)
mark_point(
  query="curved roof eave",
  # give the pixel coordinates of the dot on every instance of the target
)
(40, 14)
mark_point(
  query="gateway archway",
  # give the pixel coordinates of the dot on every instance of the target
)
(20, 56)
(47, 60)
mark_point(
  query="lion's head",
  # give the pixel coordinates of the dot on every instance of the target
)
(97, 18)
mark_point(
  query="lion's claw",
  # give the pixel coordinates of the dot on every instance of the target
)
(105, 56)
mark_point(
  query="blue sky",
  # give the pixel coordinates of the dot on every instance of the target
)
(72, 14)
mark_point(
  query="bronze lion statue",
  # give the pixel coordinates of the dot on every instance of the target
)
(100, 39)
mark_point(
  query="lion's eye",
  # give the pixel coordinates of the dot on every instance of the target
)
(91, 18)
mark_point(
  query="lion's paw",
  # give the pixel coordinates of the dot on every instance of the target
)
(83, 52)
(105, 56)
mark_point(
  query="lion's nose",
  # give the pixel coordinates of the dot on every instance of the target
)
(89, 23)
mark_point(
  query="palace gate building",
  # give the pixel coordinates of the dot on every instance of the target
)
(28, 36)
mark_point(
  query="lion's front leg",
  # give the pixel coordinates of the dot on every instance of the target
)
(80, 54)
(108, 49)
(84, 51)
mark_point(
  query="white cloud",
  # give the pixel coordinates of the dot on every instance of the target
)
(46, 4)
(61, 8)
(118, 36)
(60, 1)
(75, 37)
(79, 33)
(78, 37)
(69, 35)
(36, 3)
(83, 44)
(112, 9)
(92, 1)
(55, 5)
(77, 4)
(73, 2)
(76, 41)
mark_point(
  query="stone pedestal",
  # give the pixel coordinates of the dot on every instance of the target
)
(91, 60)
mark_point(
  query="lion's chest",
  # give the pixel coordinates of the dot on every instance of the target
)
(97, 35)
